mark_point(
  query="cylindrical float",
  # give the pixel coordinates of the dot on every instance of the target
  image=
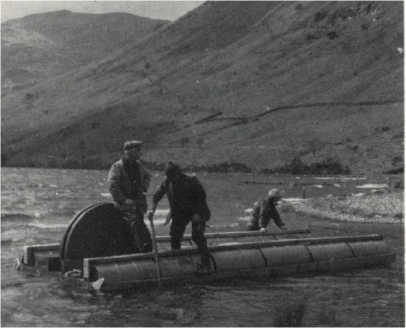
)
(272, 258)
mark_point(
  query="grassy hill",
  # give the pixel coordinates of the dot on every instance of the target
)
(42, 46)
(257, 83)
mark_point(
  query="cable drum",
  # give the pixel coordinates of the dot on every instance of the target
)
(97, 231)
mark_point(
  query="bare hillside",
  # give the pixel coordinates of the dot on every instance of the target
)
(42, 46)
(258, 83)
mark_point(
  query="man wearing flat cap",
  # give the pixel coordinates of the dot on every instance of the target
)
(128, 183)
(187, 202)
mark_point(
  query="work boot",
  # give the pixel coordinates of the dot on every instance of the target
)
(204, 269)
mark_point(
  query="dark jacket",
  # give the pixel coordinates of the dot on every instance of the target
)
(265, 210)
(186, 197)
(122, 187)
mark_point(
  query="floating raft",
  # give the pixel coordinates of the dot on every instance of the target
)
(100, 231)
(97, 247)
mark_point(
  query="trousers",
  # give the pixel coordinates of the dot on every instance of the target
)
(177, 231)
(138, 228)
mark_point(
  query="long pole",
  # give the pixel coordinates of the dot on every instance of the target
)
(157, 264)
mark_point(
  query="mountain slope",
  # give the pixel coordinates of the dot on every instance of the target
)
(42, 46)
(258, 83)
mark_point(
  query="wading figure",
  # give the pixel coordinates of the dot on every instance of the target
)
(265, 210)
(187, 202)
(128, 183)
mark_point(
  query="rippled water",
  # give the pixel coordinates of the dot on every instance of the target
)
(37, 205)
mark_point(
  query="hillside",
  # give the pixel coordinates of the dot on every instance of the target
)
(42, 46)
(258, 83)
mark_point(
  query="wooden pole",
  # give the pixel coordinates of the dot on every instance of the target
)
(157, 264)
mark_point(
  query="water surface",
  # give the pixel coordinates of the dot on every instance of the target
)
(37, 205)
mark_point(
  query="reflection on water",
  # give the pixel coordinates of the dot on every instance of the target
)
(38, 204)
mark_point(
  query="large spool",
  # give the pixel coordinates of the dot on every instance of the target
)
(97, 231)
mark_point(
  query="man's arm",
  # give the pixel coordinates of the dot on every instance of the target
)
(202, 209)
(157, 196)
(115, 187)
(276, 217)
(146, 179)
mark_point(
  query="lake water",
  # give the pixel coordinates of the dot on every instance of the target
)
(37, 205)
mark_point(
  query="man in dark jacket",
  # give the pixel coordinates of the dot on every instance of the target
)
(128, 183)
(265, 210)
(187, 202)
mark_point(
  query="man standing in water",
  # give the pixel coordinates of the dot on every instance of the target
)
(128, 183)
(265, 210)
(187, 202)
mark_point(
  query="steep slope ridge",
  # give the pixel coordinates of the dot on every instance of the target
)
(40, 46)
(265, 81)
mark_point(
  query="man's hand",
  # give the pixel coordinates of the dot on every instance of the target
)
(264, 230)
